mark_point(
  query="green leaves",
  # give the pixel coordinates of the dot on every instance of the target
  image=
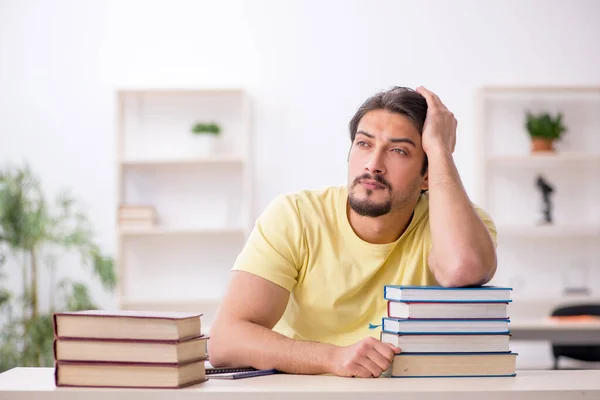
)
(5, 297)
(210, 128)
(544, 126)
(103, 267)
(35, 231)
(22, 208)
(76, 296)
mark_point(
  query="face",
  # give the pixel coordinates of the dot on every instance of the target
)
(384, 165)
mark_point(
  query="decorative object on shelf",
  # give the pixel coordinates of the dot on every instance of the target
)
(544, 130)
(34, 232)
(576, 279)
(206, 137)
(546, 190)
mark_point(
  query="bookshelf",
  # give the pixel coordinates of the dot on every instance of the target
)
(201, 199)
(544, 263)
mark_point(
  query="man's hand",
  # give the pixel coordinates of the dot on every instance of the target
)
(439, 131)
(365, 359)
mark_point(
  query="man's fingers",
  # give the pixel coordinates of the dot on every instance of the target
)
(387, 350)
(433, 101)
(370, 366)
(382, 361)
(361, 372)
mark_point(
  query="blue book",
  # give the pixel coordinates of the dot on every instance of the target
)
(452, 365)
(437, 294)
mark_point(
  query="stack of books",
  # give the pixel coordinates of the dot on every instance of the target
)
(448, 332)
(137, 216)
(128, 349)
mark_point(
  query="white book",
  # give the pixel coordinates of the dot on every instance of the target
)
(395, 325)
(467, 310)
(439, 293)
(434, 343)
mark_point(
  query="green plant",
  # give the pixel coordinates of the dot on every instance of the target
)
(33, 233)
(544, 126)
(210, 128)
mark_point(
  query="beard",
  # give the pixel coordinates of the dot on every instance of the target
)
(367, 207)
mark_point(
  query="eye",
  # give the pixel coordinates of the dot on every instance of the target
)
(360, 143)
(400, 151)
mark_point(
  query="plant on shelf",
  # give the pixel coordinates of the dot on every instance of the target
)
(210, 128)
(544, 130)
(34, 232)
(206, 134)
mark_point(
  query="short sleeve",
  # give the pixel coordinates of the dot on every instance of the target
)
(489, 223)
(275, 247)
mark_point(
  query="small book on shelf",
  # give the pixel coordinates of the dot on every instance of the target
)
(125, 324)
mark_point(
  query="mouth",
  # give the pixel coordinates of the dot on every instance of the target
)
(371, 184)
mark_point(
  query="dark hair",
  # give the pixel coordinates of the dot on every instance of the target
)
(400, 100)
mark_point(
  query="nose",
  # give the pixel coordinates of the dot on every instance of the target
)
(375, 164)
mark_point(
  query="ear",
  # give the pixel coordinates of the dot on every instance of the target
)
(425, 184)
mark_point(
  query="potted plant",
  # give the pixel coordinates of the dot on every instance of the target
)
(206, 137)
(34, 233)
(544, 130)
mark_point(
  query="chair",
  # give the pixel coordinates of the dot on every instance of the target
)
(577, 352)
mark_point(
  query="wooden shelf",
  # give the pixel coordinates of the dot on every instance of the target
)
(160, 305)
(541, 89)
(549, 230)
(222, 159)
(534, 160)
(179, 91)
(160, 231)
(203, 197)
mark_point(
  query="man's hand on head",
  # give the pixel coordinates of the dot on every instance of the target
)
(439, 131)
(365, 359)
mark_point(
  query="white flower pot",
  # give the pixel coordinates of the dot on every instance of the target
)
(204, 144)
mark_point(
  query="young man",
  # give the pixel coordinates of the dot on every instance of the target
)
(310, 278)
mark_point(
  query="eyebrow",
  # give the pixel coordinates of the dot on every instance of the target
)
(393, 140)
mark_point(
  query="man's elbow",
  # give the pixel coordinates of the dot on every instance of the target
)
(468, 271)
(218, 349)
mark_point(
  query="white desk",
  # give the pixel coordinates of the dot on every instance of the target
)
(38, 383)
(563, 333)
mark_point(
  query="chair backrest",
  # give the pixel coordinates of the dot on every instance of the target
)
(577, 309)
(579, 352)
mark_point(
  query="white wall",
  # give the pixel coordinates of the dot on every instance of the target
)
(307, 65)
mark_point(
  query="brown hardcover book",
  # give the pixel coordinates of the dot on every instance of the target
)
(130, 351)
(132, 325)
(130, 375)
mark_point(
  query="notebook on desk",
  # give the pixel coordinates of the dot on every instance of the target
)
(237, 373)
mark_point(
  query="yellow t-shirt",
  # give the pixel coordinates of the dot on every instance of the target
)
(304, 243)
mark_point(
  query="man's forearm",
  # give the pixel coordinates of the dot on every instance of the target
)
(248, 344)
(463, 249)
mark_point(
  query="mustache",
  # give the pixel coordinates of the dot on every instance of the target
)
(377, 178)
